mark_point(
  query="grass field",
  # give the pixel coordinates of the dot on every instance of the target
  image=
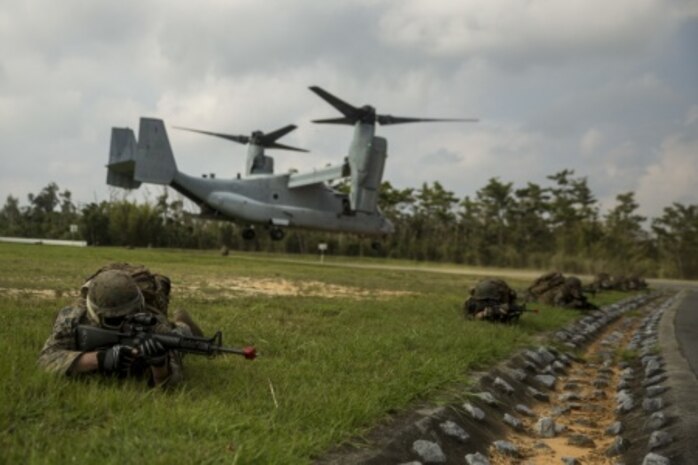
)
(341, 348)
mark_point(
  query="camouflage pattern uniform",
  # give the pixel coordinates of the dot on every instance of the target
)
(603, 282)
(544, 286)
(492, 299)
(554, 289)
(607, 282)
(60, 351)
(636, 283)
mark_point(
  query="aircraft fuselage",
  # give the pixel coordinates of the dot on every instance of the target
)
(266, 199)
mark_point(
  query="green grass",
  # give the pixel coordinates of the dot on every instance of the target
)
(337, 364)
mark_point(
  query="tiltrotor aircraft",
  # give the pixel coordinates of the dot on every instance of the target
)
(276, 201)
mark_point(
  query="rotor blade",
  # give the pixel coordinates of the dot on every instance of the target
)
(271, 137)
(276, 145)
(348, 121)
(389, 119)
(344, 108)
(239, 139)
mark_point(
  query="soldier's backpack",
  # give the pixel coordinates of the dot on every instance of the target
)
(571, 295)
(544, 284)
(155, 287)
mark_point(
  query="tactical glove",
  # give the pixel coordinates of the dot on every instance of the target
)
(115, 360)
(153, 352)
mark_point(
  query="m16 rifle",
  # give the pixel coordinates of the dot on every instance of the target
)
(140, 326)
(493, 310)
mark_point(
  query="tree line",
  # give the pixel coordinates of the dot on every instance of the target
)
(557, 226)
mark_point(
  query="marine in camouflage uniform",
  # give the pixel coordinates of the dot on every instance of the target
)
(636, 283)
(492, 299)
(544, 285)
(144, 292)
(607, 282)
(554, 289)
(603, 282)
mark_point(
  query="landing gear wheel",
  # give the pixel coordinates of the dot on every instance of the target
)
(346, 207)
(248, 234)
(276, 234)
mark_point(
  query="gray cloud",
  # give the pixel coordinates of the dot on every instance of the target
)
(556, 85)
(442, 156)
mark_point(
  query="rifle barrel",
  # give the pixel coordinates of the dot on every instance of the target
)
(248, 352)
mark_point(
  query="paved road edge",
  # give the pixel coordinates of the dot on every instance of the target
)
(683, 384)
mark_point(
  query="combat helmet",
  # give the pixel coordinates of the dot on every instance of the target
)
(111, 295)
(493, 289)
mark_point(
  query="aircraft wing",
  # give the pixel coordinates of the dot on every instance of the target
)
(318, 175)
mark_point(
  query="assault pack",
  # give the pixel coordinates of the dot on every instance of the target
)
(555, 289)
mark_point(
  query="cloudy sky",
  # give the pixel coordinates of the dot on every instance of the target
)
(609, 89)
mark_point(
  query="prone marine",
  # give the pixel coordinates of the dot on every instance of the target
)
(492, 299)
(108, 300)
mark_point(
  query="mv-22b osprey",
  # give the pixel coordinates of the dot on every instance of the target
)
(276, 201)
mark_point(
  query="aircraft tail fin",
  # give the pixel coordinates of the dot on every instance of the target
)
(148, 160)
(155, 162)
(122, 156)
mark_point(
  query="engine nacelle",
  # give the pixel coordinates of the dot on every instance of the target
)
(366, 186)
